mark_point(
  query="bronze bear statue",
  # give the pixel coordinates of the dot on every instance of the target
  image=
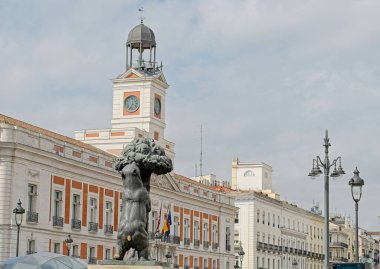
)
(136, 204)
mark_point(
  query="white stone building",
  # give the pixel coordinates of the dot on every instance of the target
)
(274, 234)
(277, 235)
(251, 175)
(68, 187)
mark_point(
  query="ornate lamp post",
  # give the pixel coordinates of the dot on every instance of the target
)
(316, 171)
(356, 183)
(157, 237)
(19, 212)
(241, 255)
(68, 242)
(236, 266)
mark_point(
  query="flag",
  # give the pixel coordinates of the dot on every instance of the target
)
(159, 220)
(166, 228)
(170, 218)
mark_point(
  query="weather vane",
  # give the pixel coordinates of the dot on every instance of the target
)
(141, 10)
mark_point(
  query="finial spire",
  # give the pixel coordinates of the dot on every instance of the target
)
(141, 10)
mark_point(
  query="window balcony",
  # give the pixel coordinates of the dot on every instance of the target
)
(186, 241)
(93, 227)
(28, 252)
(75, 256)
(76, 224)
(196, 243)
(91, 260)
(57, 221)
(31, 217)
(214, 246)
(185, 267)
(228, 248)
(205, 244)
(175, 266)
(177, 240)
(339, 244)
(196, 267)
(108, 229)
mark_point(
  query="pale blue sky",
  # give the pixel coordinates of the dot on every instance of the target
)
(265, 78)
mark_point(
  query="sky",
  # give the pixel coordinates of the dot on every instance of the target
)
(264, 78)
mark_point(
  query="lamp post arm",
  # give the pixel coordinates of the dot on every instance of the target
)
(320, 162)
(335, 161)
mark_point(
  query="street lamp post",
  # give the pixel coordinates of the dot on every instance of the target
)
(157, 237)
(68, 242)
(316, 171)
(241, 255)
(356, 183)
(236, 266)
(19, 212)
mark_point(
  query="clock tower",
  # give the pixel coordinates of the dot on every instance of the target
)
(139, 96)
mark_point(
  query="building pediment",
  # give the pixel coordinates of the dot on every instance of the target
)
(130, 73)
(164, 181)
(162, 78)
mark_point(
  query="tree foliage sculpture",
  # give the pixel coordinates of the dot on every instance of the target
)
(149, 157)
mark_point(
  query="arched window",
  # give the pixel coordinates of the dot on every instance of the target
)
(248, 173)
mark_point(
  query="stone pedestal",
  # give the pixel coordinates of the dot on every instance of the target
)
(114, 264)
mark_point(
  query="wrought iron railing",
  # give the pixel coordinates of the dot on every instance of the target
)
(92, 227)
(91, 260)
(205, 244)
(228, 247)
(76, 224)
(28, 252)
(186, 241)
(177, 240)
(57, 221)
(32, 217)
(108, 229)
(214, 246)
(196, 243)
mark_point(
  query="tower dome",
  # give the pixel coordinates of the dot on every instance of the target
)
(142, 39)
(141, 35)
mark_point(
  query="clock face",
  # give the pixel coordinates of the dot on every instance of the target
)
(157, 106)
(131, 103)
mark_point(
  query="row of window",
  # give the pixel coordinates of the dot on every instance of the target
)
(286, 242)
(57, 247)
(196, 229)
(286, 263)
(270, 219)
(32, 215)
